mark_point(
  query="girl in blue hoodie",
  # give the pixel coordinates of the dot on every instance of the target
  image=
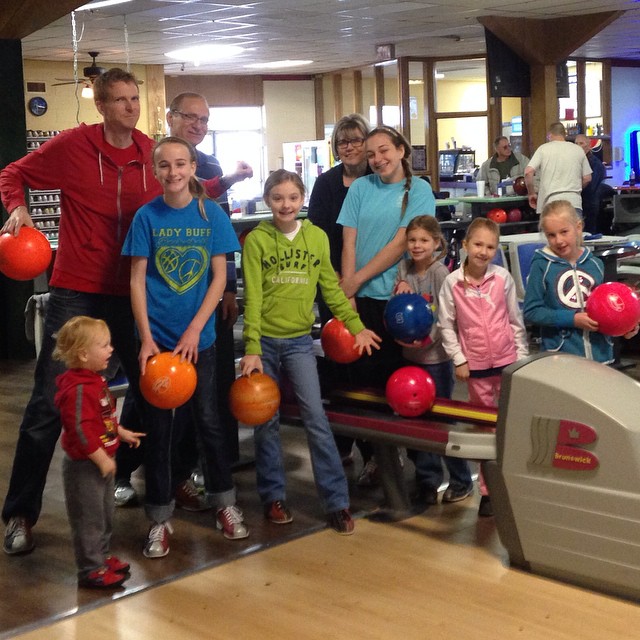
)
(562, 276)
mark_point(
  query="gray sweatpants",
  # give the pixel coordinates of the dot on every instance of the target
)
(90, 506)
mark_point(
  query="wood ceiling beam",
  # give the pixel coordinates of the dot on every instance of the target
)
(548, 41)
(20, 19)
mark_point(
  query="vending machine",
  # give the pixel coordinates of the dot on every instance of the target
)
(308, 159)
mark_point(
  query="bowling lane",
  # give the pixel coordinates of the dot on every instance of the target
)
(440, 576)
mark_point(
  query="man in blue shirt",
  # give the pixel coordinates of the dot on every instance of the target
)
(592, 193)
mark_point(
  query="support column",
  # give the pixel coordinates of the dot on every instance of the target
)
(13, 145)
(544, 44)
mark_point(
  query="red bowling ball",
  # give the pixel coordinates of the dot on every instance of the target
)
(25, 256)
(410, 391)
(254, 399)
(615, 307)
(243, 236)
(497, 215)
(168, 382)
(514, 215)
(338, 342)
(520, 186)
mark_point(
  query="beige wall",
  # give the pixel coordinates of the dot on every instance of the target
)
(65, 111)
(289, 116)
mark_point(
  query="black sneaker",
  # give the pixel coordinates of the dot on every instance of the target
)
(456, 494)
(341, 522)
(485, 510)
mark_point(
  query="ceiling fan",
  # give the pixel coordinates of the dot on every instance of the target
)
(90, 73)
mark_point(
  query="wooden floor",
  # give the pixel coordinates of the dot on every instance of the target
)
(439, 575)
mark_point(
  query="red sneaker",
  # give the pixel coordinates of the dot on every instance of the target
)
(116, 565)
(102, 578)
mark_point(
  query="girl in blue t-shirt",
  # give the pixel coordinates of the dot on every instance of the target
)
(374, 216)
(178, 244)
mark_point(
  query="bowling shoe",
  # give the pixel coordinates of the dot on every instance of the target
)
(157, 544)
(456, 494)
(369, 476)
(424, 496)
(278, 512)
(230, 521)
(189, 498)
(341, 522)
(17, 537)
(485, 510)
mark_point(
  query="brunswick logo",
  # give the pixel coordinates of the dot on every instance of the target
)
(560, 444)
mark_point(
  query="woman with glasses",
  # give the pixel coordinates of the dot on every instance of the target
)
(329, 191)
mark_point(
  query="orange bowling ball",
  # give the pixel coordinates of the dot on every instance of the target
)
(497, 215)
(337, 342)
(25, 256)
(167, 382)
(254, 399)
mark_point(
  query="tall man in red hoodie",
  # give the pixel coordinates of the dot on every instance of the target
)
(104, 173)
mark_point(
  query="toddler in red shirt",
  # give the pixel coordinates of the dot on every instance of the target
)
(90, 438)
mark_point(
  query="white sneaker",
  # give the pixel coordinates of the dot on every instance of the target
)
(124, 494)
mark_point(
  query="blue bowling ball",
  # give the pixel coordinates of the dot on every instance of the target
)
(408, 317)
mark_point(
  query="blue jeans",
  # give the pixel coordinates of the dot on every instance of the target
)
(298, 361)
(429, 472)
(165, 433)
(40, 426)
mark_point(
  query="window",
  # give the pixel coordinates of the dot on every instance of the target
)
(237, 133)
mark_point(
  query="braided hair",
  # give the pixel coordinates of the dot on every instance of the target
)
(398, 140)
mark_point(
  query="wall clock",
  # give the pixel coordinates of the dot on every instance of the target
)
(38, 106)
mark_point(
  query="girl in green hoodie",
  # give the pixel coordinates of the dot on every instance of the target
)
(283, 261)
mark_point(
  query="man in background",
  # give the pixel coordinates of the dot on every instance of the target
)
(563, 170)
(188, 118)
(592, 193)
(502, 165)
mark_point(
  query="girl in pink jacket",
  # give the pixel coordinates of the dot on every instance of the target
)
(480, 322)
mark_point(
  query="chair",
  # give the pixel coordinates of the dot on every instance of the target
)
(520, 257)
(628, 270)
(626, 214)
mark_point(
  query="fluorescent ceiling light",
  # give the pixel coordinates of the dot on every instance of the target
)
(439, 75)
(279, 64)
(99, 4)
(205, 53)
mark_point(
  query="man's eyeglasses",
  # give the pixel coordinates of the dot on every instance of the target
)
(192, 118)
(356, 143)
